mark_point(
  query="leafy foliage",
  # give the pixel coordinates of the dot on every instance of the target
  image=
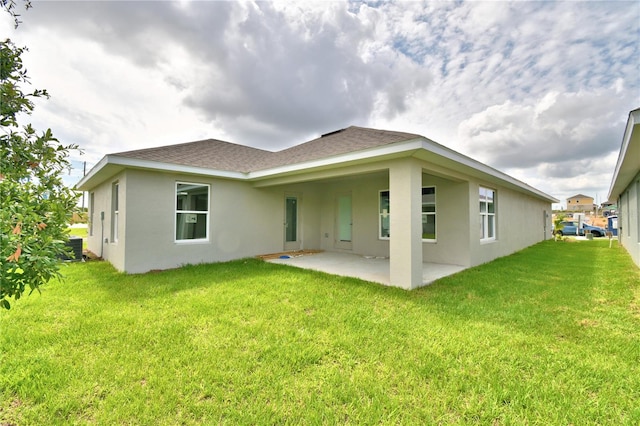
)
(36, 205)
(558, 225)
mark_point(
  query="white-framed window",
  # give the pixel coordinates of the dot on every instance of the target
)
(429, 213)
(115, 210)
(627, 215)
(92, 211)
(487, 214)
(192, 211)
(383, 215)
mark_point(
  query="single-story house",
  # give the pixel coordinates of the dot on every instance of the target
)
(356, 190)
(625, 187)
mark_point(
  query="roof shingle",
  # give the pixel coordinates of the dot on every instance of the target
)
(220, 155)
(208, 153)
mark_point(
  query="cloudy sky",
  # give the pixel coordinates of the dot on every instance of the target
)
(539, 90)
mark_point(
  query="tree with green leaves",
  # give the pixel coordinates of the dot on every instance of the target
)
(558, 225)
(35, 205)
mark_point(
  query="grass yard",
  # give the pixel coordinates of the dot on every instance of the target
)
(549, 335)
(78, 232)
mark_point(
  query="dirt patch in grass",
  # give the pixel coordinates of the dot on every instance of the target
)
(588, 323)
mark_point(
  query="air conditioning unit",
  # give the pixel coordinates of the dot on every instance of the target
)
(75, 243)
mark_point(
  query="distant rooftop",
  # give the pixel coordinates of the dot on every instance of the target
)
(579, 196)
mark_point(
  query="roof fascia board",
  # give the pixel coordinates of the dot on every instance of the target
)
(618, 183)
(391, 149)
(472, 164)
(116, 160)
(176, 168)
(93, 172)
(340, 171)
(409, 147)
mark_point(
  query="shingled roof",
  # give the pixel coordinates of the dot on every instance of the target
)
(220, 155)
(579, 196)
(208, 153)
(213, 157)
(343, 141)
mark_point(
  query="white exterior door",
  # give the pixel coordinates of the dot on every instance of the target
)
(344, 222)
(291, 222)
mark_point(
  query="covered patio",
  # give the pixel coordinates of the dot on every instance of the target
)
(345, 213)
(369, 268)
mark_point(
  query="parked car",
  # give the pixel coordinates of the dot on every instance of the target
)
(567, 228)
(571, 228)
(595, 230)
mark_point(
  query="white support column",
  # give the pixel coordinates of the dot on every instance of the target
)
(405, 205)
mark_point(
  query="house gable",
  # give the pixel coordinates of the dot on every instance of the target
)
(579, 197)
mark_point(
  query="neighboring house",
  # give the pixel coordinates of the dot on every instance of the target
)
(609, 209)
(580, 203)
(356, 190)
(625, 187)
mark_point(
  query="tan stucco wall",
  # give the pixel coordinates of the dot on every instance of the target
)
(580, 203)
(452, 223)
(629, 219)
(520, 220)
(452, 212)
(246, 220)
(405, 204)
(100, 242)
(364, 197)
(308, 213)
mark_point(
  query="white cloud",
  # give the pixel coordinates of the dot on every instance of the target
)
(538, 89)
(556, 127)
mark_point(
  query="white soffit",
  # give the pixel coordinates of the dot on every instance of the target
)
(628, 164)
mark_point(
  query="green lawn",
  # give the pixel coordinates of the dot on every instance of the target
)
(78, 232)
(550, 335)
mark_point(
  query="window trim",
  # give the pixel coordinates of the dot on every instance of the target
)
(380, 236)
(92, 208)
(115, 211)
(422, 214)
(627, 216)
(434, 213)
(176, 211)
(487, 214)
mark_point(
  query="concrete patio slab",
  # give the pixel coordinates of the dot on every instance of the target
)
(373, 269)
